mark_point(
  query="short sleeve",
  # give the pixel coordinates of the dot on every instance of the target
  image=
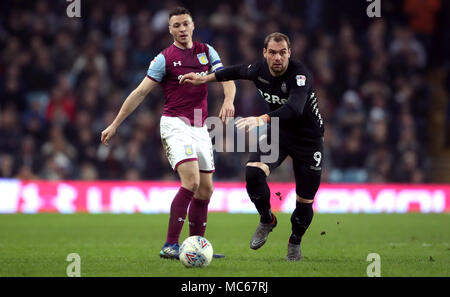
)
(214, 59)
(157, 68)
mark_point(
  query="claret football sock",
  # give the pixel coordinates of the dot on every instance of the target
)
(301, 219)
(259, 192)
(178, 211)
(198, 215)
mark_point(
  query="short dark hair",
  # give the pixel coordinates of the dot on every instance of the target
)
(277, 37)
(179, 11)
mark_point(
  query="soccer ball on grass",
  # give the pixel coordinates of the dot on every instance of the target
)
(196, 251)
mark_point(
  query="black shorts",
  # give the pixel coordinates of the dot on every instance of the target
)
(306, 157)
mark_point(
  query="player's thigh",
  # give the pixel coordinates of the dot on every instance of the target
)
(203, 148)
(307, 180)
(307, 165)
(270, 151)
(177, 141)
(189, 175)
(206, 186)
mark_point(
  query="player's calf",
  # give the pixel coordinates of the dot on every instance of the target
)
(259, 192)
(300, 219)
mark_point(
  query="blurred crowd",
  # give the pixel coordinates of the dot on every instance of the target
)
(63, 80)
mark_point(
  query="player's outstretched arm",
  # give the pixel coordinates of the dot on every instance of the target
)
(232, 72)
(129, 105)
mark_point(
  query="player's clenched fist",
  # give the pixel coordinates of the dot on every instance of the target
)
(107, 134)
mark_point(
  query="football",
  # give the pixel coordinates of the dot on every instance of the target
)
(196, 251)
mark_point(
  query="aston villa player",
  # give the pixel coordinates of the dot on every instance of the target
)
(185, 138)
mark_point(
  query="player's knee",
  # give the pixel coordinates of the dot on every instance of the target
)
(204, 192)
(194, 185)
(191, 184)
(254, 174)
(260, 165)
(304, 200)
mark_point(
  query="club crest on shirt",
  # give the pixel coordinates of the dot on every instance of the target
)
(301, 80)
(202, 58)
(188, 150)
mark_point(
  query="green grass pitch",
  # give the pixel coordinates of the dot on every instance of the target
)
(128, 245)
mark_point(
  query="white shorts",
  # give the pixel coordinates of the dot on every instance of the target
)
(183, 142)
